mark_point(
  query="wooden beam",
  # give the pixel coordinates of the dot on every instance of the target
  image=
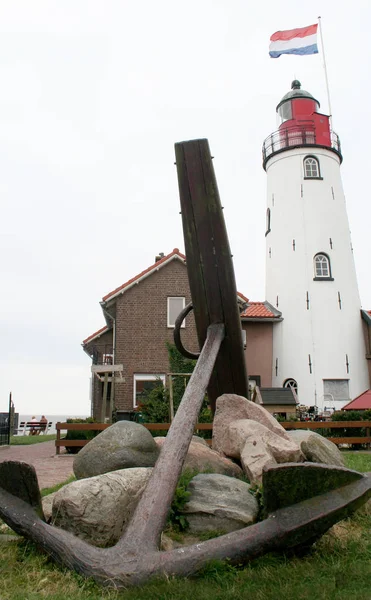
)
(106, 368)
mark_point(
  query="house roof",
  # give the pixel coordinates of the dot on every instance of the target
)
(175, 254)
(253, 310)
(97, 334)
(277, 396)
(260, 310)
(362, 402)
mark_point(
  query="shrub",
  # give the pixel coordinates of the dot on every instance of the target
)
(155, 403)
(350, 415)
(181, 497)
(79, 434)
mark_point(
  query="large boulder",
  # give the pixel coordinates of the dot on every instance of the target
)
(257, 447)
(317, 448)
(220, 503)
(231, 407)
(98, 509)
(202, 459)
(124, 445)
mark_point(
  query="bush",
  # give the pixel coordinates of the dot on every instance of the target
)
(181, 496)
(155, 403)
(350, 415)
(79, 434)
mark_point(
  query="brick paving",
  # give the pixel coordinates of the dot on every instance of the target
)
(50, 469)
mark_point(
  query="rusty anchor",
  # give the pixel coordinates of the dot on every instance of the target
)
(220, 368)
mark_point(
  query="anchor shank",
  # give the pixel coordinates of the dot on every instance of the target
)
(150, 515)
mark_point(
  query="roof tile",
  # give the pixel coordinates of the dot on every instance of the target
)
(362, 402)
(145, 272)
(259, 310)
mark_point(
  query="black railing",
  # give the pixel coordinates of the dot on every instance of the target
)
(4, 429)
(292, 137)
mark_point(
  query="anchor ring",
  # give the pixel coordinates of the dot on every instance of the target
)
(177, 341)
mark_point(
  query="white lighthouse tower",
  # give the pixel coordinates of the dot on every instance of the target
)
(319, 347)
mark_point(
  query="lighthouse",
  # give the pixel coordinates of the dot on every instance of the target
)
(318, 347)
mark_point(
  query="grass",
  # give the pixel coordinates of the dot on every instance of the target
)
(358, 460)
(338, 567)
(26, 440)
(55, 488)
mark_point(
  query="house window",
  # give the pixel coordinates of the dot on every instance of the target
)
(145, 383)
(322, 267)
(268, 227)
(292, 384)
(174, 306)
(336, 390)
(311, 168)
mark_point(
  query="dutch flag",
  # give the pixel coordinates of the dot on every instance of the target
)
(294, 41)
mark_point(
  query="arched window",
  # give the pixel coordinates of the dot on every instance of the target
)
(322, 267)
(292, 384)
(311, 167)
(268, 224)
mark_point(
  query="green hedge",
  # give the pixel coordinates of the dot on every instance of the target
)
(79, 434)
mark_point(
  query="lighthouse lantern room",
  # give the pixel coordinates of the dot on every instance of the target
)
(318, 347)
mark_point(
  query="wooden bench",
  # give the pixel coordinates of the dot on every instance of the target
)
(34, 427)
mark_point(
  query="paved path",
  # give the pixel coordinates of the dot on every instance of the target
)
(50, 469)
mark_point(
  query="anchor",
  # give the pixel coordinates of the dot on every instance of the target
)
(330, 495)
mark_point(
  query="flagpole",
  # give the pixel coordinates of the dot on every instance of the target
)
(325, 69)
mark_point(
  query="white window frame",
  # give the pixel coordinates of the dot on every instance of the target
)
(169, 298)
(145, 377)
(311, 161)
(322, 255)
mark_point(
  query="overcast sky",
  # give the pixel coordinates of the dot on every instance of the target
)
(93, 96)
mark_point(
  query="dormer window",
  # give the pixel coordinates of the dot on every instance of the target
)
(311, 168)
(322, 267)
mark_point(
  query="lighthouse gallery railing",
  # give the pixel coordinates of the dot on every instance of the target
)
(292, 137)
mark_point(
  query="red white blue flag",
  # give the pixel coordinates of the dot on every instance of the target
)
(294, 41)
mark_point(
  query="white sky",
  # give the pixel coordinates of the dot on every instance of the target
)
(94, 94)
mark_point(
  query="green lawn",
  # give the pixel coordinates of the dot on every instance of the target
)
(338, 567)
(26, 440)
(359, 461)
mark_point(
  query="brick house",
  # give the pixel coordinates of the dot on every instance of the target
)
(140, 316)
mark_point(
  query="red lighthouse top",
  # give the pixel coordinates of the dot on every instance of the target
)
(300, 124)
(298, 110)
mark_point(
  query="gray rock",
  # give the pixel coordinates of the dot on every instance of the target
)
(317, 448)
(124, 445)
(231, 407)
(219, 503)
(199, 440)
(47, 502)
(257, 447)
(202, 459)
(97, 509)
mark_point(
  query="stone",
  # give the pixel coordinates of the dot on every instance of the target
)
(47, 502)
(231, 407)
(219, 503)
(202, 459)
(257, 447)
(317, 448)
(199, 440)
(254, 457)
(285, 485)
(98, 509)
(124, 445)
